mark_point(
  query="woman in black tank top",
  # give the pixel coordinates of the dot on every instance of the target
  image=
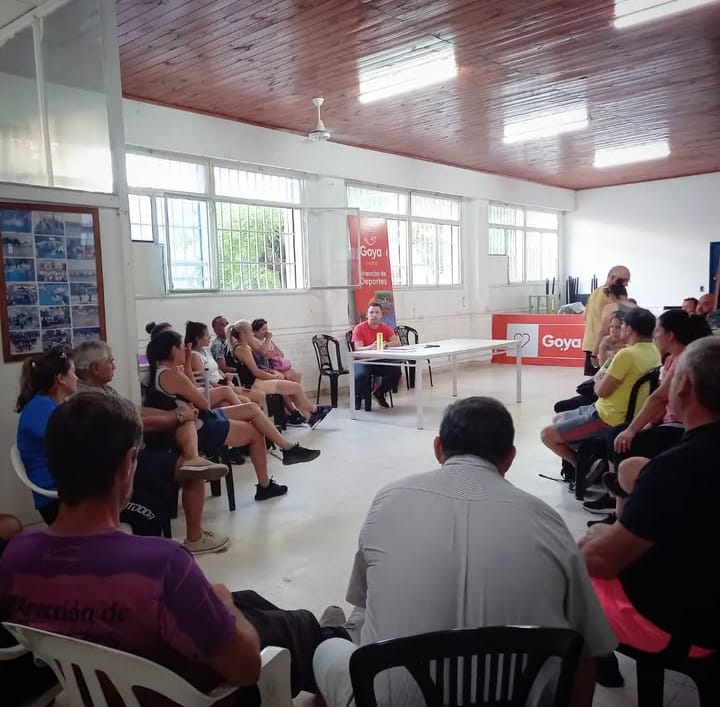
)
(269, 382)
(245, 424)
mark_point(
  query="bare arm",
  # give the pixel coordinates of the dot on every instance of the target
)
(603, 350)
(606, 386)
(238, 660)
(223, 366)
(176, 383)
(261, 346)
(244, 354)
(609, 549)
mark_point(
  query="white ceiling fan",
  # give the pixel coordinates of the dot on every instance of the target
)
(319, 133)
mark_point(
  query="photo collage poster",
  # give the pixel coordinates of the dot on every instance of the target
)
(51, 284)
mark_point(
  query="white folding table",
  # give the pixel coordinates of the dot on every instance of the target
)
(423, 354)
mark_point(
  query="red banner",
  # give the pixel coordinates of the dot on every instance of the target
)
(369, 242)
(546, 339)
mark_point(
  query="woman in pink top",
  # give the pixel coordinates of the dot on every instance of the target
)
(656, 427)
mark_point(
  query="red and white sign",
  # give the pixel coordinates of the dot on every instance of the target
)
(369, 241)
(547, 339)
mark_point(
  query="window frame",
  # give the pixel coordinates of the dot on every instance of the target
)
(524, 229)
(409, 220)
(211, 198)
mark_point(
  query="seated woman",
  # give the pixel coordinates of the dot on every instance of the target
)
(618, 303)
(201, 362)
(270, 357)
(45, 382)
(233, 426)
(239, 336)
(612, 343)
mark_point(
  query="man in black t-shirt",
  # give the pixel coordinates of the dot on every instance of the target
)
(655, 570)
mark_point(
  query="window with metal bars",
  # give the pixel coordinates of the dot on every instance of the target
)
(423, 233)
(529, 237)
(222, 227)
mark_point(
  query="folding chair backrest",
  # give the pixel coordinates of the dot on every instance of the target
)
(20, 470)
(404, 332)
(77, 665)
(324, 345)
(348, 340)
(492, 666)
(652, 379)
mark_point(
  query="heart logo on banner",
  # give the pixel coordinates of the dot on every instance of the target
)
(523, 337)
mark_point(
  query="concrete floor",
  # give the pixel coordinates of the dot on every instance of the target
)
(298, 550)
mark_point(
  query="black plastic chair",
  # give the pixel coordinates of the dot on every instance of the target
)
(506, 661)
(403, 333)
(326, 366)
(593, 449)
(368, 398)
(650, 669)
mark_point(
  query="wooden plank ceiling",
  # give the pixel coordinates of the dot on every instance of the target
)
(262, 61)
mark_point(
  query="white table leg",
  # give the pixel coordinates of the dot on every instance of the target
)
(351, 368)
(453, 361)
(419, 392)
(518, 369)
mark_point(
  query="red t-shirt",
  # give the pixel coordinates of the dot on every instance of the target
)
(364, 334)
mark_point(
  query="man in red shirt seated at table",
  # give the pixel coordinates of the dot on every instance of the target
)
(364, 336)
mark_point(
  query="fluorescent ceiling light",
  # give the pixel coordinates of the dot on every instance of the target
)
(633, 12)
(546, 125)
(613, 156)
(405, 69)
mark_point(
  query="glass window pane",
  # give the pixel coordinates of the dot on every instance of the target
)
(21, 145)
(258, 247)
(398, 246)
(140, 218)
(505, 215)
(515, 255)
(243, 184)
(549, 255)
(187, 230)
(533, 256)
(435, 207)
(542, 219)
(377, 200)
(424, 245)
(73, 60)
(448, 255)
(496, 243)
(163, 174)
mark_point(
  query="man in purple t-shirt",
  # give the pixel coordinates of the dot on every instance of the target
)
(83, 577)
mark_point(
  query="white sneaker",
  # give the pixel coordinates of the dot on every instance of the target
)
(208, 542)
(200, 468)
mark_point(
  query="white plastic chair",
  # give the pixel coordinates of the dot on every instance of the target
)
(20, 470)
(13, 652)
(127, 671)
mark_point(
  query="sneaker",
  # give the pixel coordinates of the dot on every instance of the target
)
(597, 469)
(299, 455)
(611, 483)
(380, 397)
(333, 616)
(208, 542)
(319, 415)
(600, 506)
(296, 419)
(607, 520)
(200, 468)
(272, 490)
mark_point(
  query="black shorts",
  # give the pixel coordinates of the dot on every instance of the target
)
(647, 443)
(214, 431)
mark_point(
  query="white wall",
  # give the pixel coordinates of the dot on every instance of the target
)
(119, 310)
(294, 318)
(661, 230)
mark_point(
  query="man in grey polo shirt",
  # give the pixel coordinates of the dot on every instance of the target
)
(461, 547)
